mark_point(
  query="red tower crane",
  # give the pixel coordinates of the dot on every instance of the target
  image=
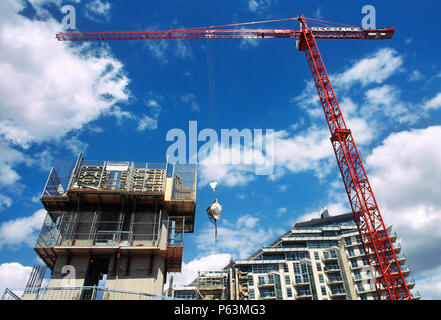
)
(390, 282)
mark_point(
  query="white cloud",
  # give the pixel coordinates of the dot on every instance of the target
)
(190, 270)
(98, 10)
(15, 233)
(13, 275)
(5, 202)
(374, 69)
(9, 158)
(281, 212)
(148, 123)
(434, 103)
(163, 49)
(231, 235)
(430, 285)
(66, 86)
(306, 151)
(248, 43)
(190, 98)
(318, 13)
(75, 146)
(386, 100)
(415, 76)
(309, 150)
(405, 176)
(259, 7)
(282, 188)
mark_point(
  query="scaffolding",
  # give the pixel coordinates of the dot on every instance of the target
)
(119, 205)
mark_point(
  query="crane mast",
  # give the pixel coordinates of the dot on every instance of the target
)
(390, 282)
(374, 236)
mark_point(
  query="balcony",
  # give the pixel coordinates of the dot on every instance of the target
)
(416, 295)
(410, 283)
(329, 257)
(357, 278)
(265, 282)
(298, 284)
(335, 280)
(401, 259)
(304, 295)
(338, 293)
(393, 236)
(332, 268)
(405, 270)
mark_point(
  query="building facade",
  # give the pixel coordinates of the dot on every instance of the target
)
(321, 259)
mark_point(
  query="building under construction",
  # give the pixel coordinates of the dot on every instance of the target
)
(320, 259)
(113, 229)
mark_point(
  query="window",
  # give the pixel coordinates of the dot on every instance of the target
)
(357, 274)
(351, 252)
(296, 268)
(358, 239)
(287, 280)
(250, 282)
(321, 279)
(316, 256)
(265, 268)
(252, 296)
(289, 292)
(354, 263)
(267, 292)
(360, 287)
(285, 267)
(319, 266)
(323, 291)
(186, 294)
(365, 263)
(348, 241)
(294, 256)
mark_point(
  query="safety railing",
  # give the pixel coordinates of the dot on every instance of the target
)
(78, 293)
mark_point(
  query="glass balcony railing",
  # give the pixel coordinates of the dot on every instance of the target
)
(338, 292)
(332, 267)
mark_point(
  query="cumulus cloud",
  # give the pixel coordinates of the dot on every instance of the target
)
(98, 10)
(259, 7)
(5, 202)
(9, 159)
(231, 235)
(21, 231)
(163, 49)
(13, 275)
(434, 103)
(374, 69)
(150, 122)
(405, 175)
(65, 86)
(189, 272)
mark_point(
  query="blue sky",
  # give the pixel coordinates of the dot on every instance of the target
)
(117, 101)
